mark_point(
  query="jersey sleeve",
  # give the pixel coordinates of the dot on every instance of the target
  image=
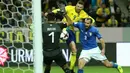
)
(98, 35)
(77, 24)
(62, 25)
(56, 10)
(85, 15)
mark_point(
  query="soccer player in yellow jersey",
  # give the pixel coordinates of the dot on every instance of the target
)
(76, 13)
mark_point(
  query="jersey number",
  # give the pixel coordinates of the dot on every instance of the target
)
(85, 37)
(52, 36)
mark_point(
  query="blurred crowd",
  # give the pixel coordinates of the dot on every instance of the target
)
(18, 13)
(105, 12)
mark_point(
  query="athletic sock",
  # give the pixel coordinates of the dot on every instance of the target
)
(80, 70)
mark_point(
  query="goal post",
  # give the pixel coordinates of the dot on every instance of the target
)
(37, 36)
(24, 46)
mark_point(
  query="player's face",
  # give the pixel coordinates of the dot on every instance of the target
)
(87, 23)
(79, 7)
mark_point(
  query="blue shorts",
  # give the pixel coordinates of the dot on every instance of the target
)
(71, 37)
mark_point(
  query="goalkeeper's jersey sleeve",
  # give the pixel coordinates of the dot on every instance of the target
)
(51, 35)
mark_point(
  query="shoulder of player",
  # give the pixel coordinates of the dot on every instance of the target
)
(99, 9)
(45, 24)
(78, 23)
(53, 23)
(61, 23)
(94, 28)
(83, 12)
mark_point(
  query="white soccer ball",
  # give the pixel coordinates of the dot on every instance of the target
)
(64, 35)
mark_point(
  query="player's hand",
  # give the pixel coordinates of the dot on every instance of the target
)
(45, 14)
(61, 13)
(62, 9)
(103, 51)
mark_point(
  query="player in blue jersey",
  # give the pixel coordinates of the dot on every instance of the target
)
(76, 13)
(88, 35)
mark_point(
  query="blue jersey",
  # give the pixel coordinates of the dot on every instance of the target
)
(87, 37)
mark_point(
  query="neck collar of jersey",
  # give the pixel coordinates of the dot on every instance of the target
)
(88, 28)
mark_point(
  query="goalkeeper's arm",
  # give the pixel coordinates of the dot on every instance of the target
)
(55, 11)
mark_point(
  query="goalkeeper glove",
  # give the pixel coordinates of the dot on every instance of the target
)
(62, 10)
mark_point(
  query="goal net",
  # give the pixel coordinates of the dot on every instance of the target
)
(15, 36)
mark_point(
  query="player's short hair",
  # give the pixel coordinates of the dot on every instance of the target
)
(91, 21)
(80, 2)
(59, 16)
(51, 16)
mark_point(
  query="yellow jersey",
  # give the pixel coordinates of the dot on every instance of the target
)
(74, 16)
(110, 23)
(100, 12)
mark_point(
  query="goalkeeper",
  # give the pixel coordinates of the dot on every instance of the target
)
(51, 48)
(76, 13)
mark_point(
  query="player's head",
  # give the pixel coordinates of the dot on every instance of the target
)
(51, 16)
(88, 22)
(79, 6)
(54, 17)
(103, 5)
(59, 16)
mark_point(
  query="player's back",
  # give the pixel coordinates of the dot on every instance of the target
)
(51, 36)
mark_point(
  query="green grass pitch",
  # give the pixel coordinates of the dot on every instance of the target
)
(56, 69)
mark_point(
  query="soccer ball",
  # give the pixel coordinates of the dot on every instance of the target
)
(64, 35)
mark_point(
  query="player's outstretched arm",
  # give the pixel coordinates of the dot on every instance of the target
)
(103, 46)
